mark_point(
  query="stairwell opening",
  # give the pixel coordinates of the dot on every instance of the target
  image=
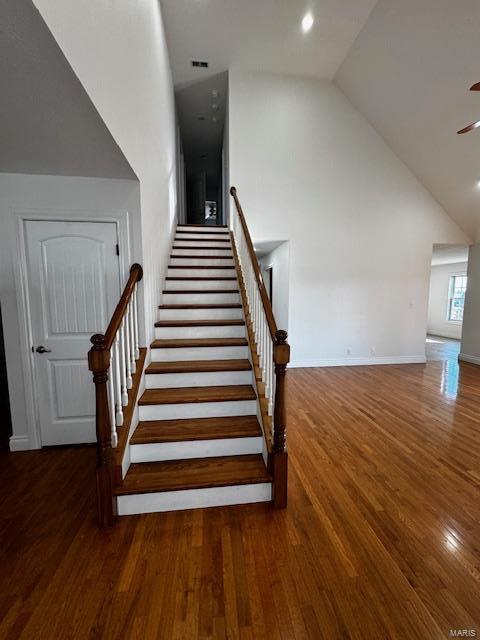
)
(202, 108)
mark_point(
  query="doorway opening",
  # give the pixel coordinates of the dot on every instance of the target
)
(202, 108)
(274, 261)
(448, 285)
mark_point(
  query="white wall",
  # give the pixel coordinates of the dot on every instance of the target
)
(438, 325)
(118, 51)
(310, 168)
(65, 198)
(470, 349)
(278, 260)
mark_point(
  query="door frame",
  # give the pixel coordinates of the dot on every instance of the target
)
(22, 216)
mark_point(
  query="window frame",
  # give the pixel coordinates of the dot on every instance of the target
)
(451, 297)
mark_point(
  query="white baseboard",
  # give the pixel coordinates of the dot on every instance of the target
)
(464, 357)
(22, 443)
(356, 362)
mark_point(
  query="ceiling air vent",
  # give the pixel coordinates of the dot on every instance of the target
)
(200, 63)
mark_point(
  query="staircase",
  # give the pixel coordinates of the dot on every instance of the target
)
(198, 442)
(199, 418)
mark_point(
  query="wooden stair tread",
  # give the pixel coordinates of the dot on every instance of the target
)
(187, 395)
(200, 266)
(199, 239)
(232, 305)
(194, 257)
(198, 366)
(196, 473)
(200, 323)
(197, 278)
(202, 233)
(189, 246)
(202, 291)
(204, 226)
(158, 431)
(175, 343)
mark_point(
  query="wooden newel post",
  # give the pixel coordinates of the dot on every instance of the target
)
(281, 357)
(98, 363)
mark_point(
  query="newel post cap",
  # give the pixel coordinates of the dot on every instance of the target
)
(136, 266)
(233, 191)
(98, 356)
(281, 354)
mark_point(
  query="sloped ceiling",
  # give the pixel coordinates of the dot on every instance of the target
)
(48, 124)
(260, 35)
(409, 72)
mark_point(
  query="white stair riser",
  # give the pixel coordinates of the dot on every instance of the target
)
(159, 452)
(226, 252)
(201, 314)
(197, 410)
(206, 235)
(193, 498)
(202, 273)
(201, 332)
(201, 244)
(214, 261)
(201, 284)
(198, 353)
(201, 298)
(203, 229)
(199, 379)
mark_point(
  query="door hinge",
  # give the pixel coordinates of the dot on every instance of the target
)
(117, 249)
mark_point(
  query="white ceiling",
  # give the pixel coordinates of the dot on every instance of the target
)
(263, 35)
(48, 124)
(409, 73)
(449, 254)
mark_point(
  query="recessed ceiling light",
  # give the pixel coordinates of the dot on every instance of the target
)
(214, 106)
(307, 22)
(215, 119)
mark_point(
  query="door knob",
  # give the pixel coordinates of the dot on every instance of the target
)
(42, 349)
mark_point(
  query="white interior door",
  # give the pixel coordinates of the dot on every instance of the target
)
(73, 285)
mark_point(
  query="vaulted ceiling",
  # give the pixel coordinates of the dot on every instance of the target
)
(261, 35)
(409, 72)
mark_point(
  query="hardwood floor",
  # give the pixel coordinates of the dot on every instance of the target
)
(380, 539)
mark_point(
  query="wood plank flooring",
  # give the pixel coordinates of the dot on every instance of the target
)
(381, 538)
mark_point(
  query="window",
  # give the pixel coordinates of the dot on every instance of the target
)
(456, 298)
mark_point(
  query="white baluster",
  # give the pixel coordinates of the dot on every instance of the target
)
(127, 350)
(133, 364)
(123, 369)
(111, 405)
(267, 363)
(118, 384)
(135, 323)
(272, 394)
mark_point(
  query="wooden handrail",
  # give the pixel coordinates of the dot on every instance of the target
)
(136, 274)
(279, 353)
(267, 305)
(99, 363)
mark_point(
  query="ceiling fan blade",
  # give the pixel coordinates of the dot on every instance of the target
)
(475, 87)
(470, 127)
